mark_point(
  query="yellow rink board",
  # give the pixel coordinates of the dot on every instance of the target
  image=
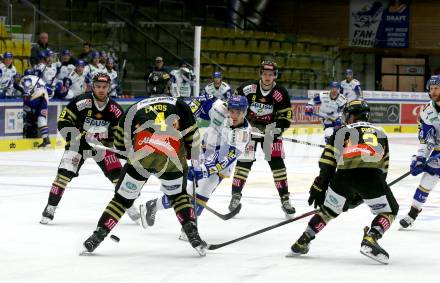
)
(28, 144)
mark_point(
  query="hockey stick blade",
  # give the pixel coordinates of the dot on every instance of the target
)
(226, 216)
(217, 246)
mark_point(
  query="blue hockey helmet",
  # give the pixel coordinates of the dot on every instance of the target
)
(8, 55)
(349, 72)
(334, 84)
(66, 52)
(433, 80)
(110, 61)
(239, 102)
(95, 54)
(29, 72)
(217, 75)
(48, 53)
(41, 54)
(103, 54)
(80, 62)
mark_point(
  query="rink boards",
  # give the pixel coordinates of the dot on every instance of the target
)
(396, 112)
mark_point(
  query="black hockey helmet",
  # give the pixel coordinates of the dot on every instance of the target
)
(358, 108)
(101, 77)
(270, 66)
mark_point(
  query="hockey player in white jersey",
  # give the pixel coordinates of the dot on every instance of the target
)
(73, 84)
(35, 99)
(115, 89)
(429, 137)
(217, 88)
(46, 69)
(182, 82)
(330, 110)
(94, 67)
(66, 65)
(7, 75)
(351, 88)
(223, 142)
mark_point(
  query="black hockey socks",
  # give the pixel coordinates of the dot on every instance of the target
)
(382, 222)
(279, 175)
(183, 208)
(57, 190)
(240, 176)
(112, 213)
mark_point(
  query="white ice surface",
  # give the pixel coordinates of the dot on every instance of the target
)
(31, 252)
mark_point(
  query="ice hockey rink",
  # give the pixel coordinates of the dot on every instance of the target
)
(31, 252)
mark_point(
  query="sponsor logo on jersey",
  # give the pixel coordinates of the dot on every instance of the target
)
(171, 187)
(98, 116)
(277, 96)
(157, 143)
(115, 110)
(261, 109)
(84, 104)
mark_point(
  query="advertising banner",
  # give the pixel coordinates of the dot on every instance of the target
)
(379, 23)
(385, 113)
(411, 113)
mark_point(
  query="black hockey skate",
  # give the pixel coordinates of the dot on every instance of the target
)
(45, 143)
(148, 213)
(48, 214)
(134, 214)
(288, 209)
(194, 239)
(301, 246)
(235, 201)
(410, 218)
(94, 240)
(370, 247)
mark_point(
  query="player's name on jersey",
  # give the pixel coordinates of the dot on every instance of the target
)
(392, 95)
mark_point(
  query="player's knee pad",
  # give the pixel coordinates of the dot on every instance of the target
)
(70, 161)
(428, 181)
(382, 205)
(129, 187)
(208, 185)
(41, 121)
(328, 132)
(249, 153)
(172, 187)
(334, 202)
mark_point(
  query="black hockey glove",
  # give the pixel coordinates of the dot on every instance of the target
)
(317, 192)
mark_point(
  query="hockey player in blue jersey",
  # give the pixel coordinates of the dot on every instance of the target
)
(330, 110)
(35, 99)
(429, 137)
(217, 88)
(223, 142)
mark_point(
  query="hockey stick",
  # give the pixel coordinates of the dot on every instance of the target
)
(217, 246)
(226, 216)
(409, 172)
(292, 140)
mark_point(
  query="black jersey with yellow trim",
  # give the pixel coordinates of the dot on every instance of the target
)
(357, 145)
(273, 107)
(83, 114)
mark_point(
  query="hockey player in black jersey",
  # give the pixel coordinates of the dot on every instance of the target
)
(353, 169)
(91, 117)
(269, 114)
(157, 134)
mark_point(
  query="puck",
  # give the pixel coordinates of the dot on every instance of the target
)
(115, 238)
